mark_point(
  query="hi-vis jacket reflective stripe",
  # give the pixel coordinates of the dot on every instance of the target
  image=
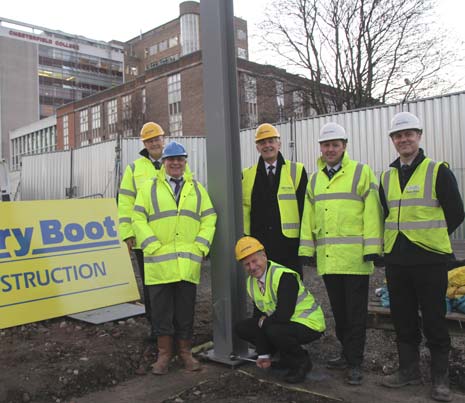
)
(291, 173)
(134, 176)
(174, 237)
(342, 219)
(416, 211)
(307, 311)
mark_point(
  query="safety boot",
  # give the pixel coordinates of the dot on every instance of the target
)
(165, 353)
(299, 370)
(440, 390)
(337, 363)
(403, 377)
(185, 353)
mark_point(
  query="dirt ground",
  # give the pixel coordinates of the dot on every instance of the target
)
(61, 359)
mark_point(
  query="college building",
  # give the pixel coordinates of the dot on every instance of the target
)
(43, 69)
(163, 82)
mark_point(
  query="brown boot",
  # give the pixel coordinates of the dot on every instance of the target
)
(185, 353)
(165, 352)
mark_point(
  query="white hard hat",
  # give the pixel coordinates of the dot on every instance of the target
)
(332, 131)
(404, 121)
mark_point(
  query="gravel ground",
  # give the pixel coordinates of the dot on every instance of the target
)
(54, 360)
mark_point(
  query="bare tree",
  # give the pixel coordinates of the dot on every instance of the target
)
(359, 52)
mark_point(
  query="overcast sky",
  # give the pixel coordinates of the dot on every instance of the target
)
(106, 20)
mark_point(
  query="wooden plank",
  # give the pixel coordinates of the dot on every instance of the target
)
(379, 317)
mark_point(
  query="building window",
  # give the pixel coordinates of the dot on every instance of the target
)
(65, 133)
(133, 71)
(174, 104)
(298, 103)
(112, 116)
(84, 126)
(189, 33)
(153, 50)
(144, 101)
(280, 99)
(173, 41)
(163, 45)
(242, 53)
(250, 92)
(127, 107)
(127, 115)
(241, 35)
(96, 124)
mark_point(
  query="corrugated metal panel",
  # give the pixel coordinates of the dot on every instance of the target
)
(45, 176)
(195, 146)
(94, 170)
(443, 118)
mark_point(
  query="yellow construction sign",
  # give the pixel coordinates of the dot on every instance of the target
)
(61, 257)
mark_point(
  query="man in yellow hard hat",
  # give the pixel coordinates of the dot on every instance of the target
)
(422, 208)
(273, 193)
(285, 315)
(135, 175)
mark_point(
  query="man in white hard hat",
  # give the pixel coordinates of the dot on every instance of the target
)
(285, 315)
(174, 221)
(273, 192)
(422, 207)
(342, 225)
(135, 175)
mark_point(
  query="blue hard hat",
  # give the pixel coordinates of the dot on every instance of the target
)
(174, 149)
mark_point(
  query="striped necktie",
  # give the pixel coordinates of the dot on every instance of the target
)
(331, 172)
(261, 285)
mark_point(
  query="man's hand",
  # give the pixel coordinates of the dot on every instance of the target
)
(263, 363)
(130, 242)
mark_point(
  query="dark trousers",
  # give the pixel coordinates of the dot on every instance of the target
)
(140, 263)
(283, 337)
(173, 309)
(348, 296)
(419, 287)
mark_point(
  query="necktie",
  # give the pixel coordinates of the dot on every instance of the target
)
(271, 175)
(156, 164)
(331, 172)
(177, 186)
(261, 285)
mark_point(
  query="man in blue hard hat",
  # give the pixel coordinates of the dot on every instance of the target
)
(174, 221)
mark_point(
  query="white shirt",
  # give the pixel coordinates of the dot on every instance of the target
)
(173, 184)
(335, 167)
(273, 165)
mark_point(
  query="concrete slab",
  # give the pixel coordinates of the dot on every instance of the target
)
(109, 313)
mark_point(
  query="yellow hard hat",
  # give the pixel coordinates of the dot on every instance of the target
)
(246, 246)
(150, 130)
(266, 131)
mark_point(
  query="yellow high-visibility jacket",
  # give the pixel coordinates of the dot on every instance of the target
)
(416, 211)
(291, 173)
(174, 238)
(307, 311)
(342, 219)
(134, 176)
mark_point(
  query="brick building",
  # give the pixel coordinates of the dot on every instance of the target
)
(164, 83)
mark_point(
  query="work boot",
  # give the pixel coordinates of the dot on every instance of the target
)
(185, 353)
(298, 373)
(403, 377)
(337, 363)
(354, 375)
(165, 352)
(440, 390)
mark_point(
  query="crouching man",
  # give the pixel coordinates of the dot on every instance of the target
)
(285, 314)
